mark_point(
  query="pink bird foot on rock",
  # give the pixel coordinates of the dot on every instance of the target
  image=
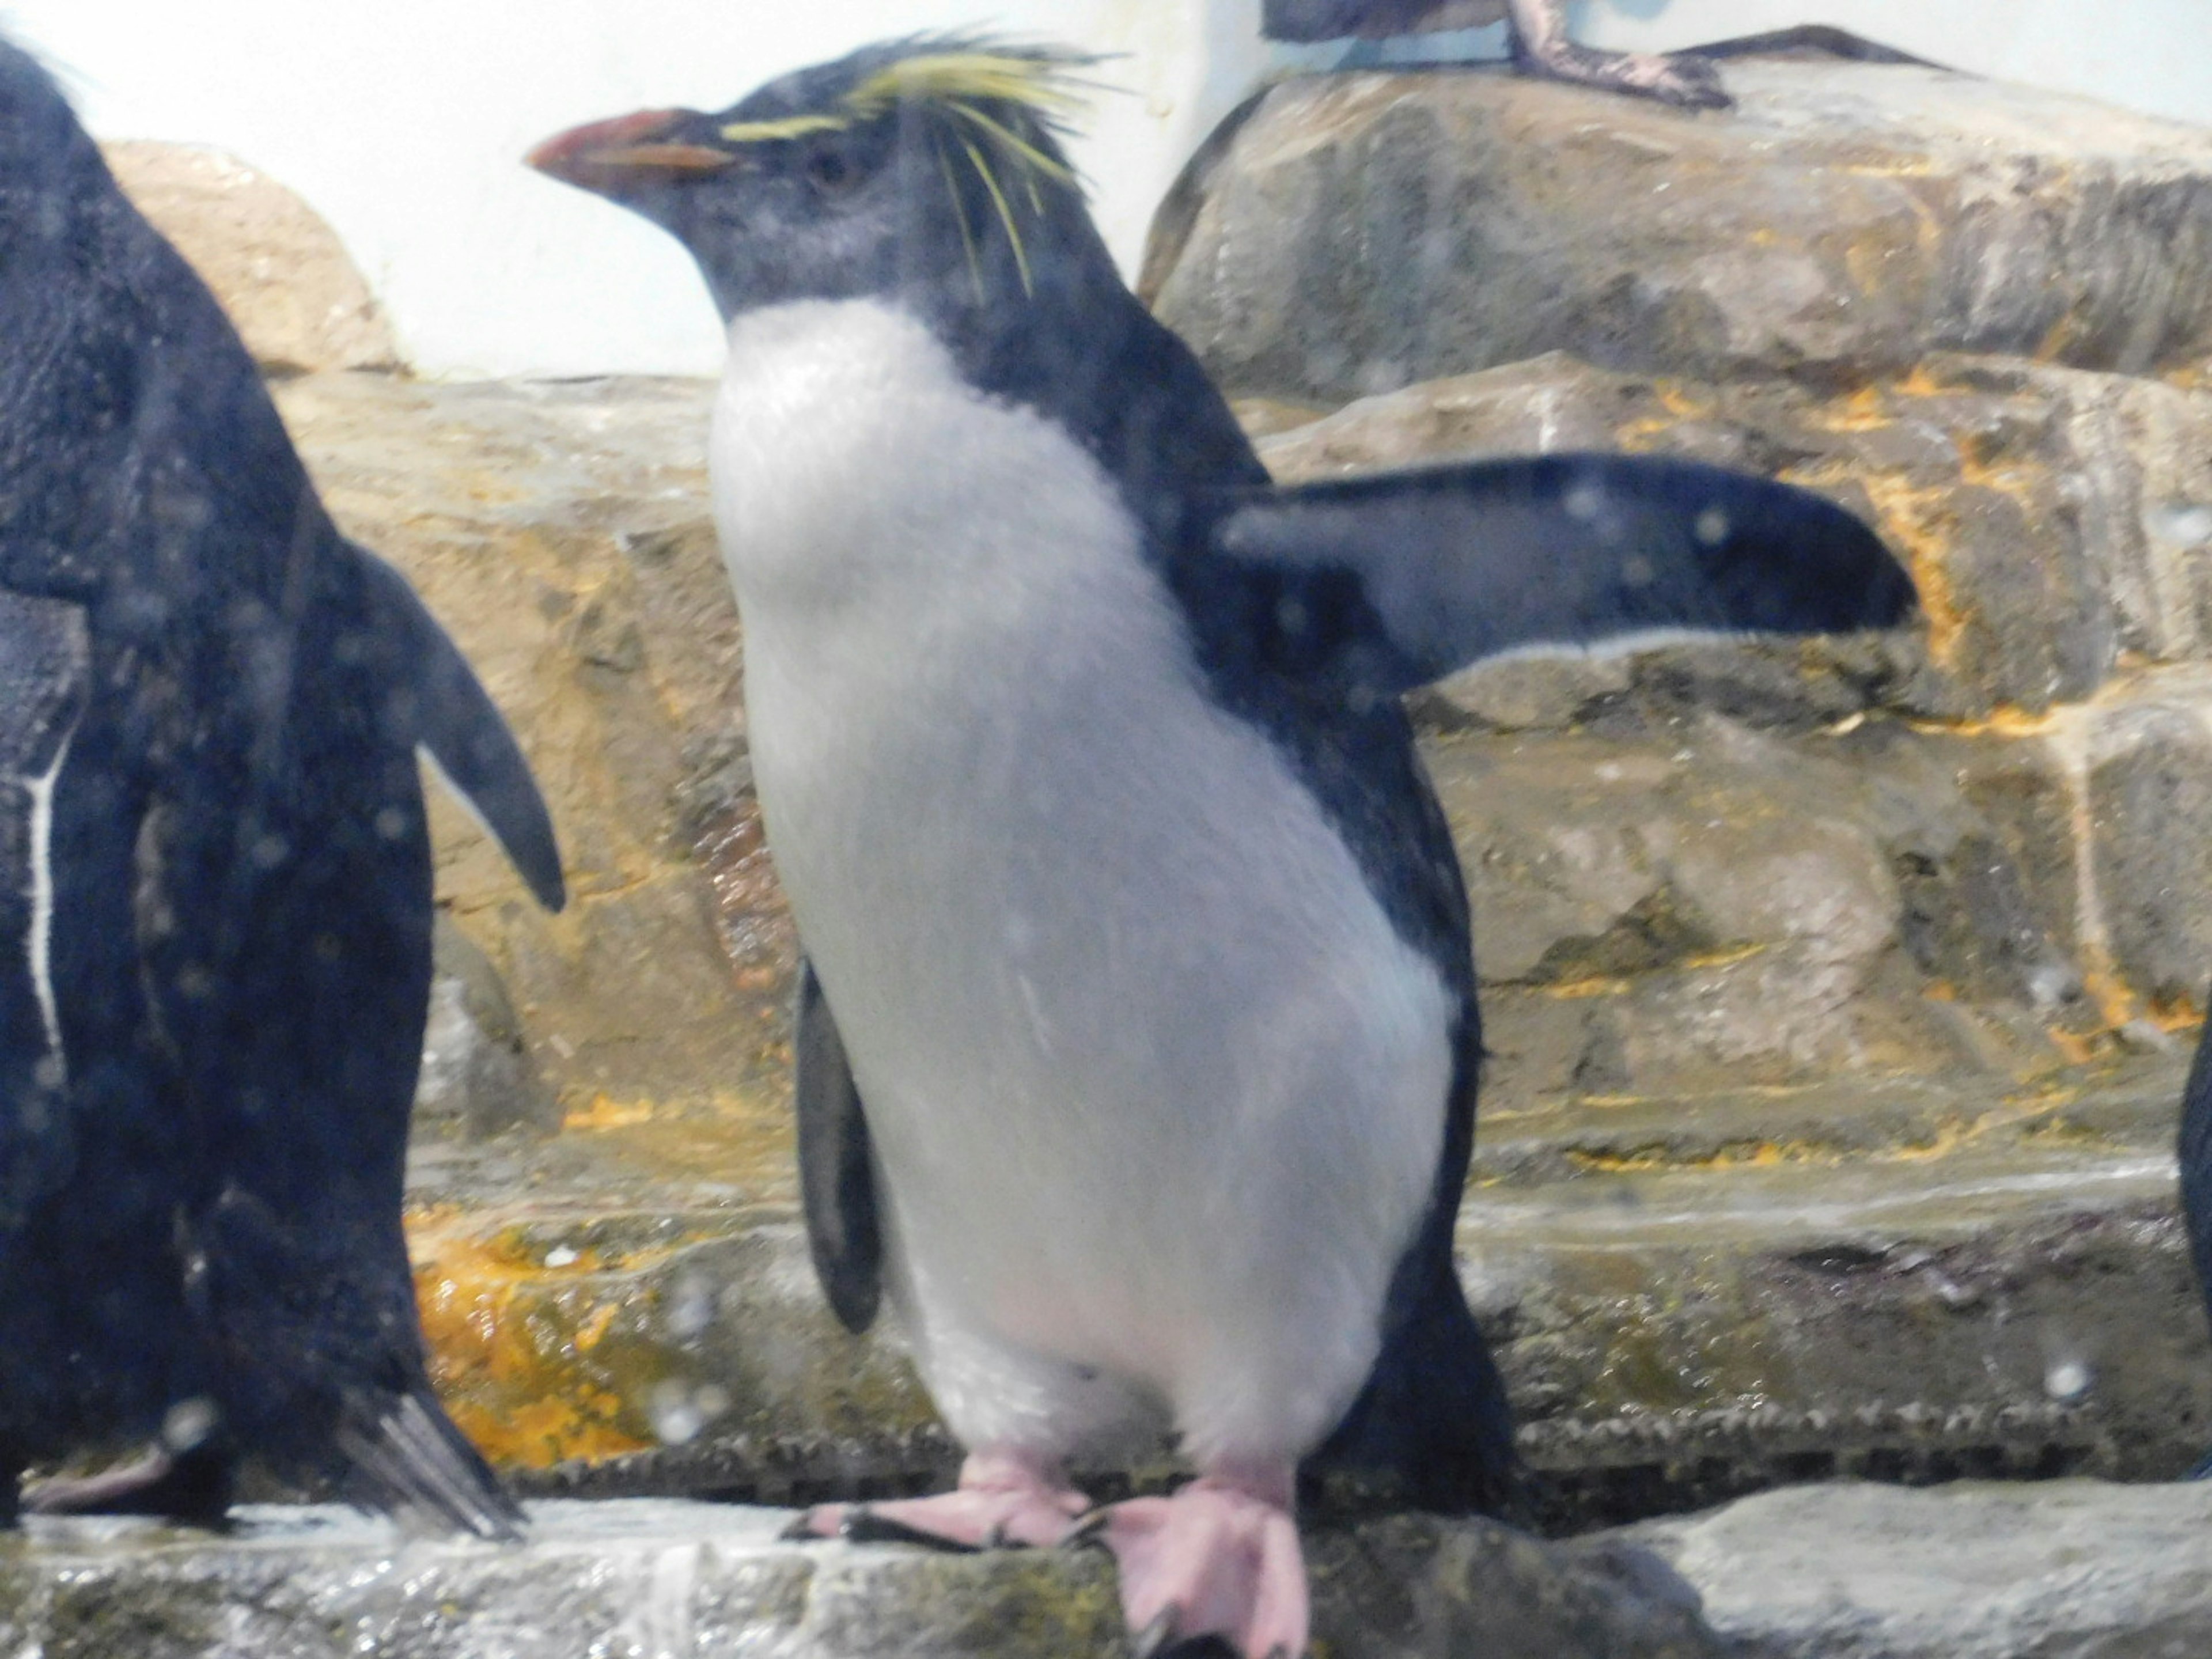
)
(1220, 1558)
(1003, 1498)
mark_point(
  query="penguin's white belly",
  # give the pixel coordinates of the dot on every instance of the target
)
(1155, 1087)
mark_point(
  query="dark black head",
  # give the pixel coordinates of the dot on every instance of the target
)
(927, 171)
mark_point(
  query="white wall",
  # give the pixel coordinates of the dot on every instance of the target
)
(404, 122)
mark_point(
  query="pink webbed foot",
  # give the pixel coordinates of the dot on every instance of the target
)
(1220, 1558)
(1003, 1498)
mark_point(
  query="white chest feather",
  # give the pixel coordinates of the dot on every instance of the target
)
(1145, 1062)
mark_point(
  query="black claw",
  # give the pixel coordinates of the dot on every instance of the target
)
(1155, 1636)
(800, 1532)
(1088, 1528)
(862, 1525)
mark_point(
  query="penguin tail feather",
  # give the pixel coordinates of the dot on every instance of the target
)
(406, 1458)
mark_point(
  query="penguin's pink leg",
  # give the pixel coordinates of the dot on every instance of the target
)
(1220, 1558)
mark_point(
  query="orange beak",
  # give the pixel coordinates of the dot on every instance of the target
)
(602, 157)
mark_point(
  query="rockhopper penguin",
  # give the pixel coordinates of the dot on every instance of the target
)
(1136, 1037)
(214, 893)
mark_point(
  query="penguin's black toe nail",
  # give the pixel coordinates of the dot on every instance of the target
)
(801, 1529)
(1088, 1528)
(1155, 1639)
(863, 1525)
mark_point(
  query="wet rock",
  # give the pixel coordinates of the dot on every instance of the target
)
(2073, 1568)
(2149, 798)
(291, 289)
(1361, 232)
(677, 1580)
(477, 1078)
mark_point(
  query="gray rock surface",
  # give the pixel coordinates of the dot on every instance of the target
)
(2061, 1569)
(2056, 1569)
(1362, 232)
(292, 291)
(684, 1581)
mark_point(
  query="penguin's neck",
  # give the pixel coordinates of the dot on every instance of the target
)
(908, 547)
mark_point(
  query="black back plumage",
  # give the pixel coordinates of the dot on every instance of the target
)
(206, 1167)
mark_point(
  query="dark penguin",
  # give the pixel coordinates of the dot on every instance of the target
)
(214, 893)
(1538, 31)
(1137, 1039)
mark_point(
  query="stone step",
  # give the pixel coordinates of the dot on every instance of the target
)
(664, 1580)
(1680, 1319)
(2079, 1568)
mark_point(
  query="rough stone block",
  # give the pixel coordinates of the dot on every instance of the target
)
(1360, 231)
(2074, 1568)
(290, 288)
(2149, 790)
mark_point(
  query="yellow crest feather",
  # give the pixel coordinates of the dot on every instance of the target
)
(982, 94)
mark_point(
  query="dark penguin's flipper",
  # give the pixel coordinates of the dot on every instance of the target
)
(1385, 583)
(834, 1175)
(436, 702)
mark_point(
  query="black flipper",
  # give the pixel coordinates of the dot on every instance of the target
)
(1384, 583)
(2195, 1156)
(434, 701)
(836, 1178)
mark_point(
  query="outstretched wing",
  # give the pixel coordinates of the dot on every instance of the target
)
(434, 701)
(1388, 582)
